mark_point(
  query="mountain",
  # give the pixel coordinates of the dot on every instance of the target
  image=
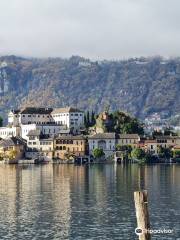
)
(140, 86)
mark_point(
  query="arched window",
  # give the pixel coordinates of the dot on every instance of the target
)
(64, 147)
(102, 144)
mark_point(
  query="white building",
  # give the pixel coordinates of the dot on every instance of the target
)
(6, 132)
(48, 121)
(105, 141)
(38, 146)
(30, 115)
(46, 129)
(71, 117)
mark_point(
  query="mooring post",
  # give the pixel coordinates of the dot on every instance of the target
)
(142, 215)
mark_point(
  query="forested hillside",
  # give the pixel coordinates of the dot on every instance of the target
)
(139, 86)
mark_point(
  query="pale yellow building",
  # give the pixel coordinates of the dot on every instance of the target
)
(70, 145)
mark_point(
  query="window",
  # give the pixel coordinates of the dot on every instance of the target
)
(64, 147)
(31, 137)
(34, 143)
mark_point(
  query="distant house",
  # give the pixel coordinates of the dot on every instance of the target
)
(39, 145)
(167, 141)
(12, 148)
(151, 146)
(105, 141)
(10, 131)
(71, 117)
(30, 115)
(70, 145)
(128, 139)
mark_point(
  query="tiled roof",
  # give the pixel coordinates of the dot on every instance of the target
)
(177, 147)
(35, 132)
(128, 136)
(15, 111)
(12, 141)
(71, 137)
(167, 137)
(34, 110)
(103, 136)
(65, 110)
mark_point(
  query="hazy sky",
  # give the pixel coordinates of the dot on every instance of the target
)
(112, 29)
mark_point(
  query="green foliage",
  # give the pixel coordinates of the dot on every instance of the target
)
(176, 153)
(138, 153)
(89, 119)
(123, 123)
(98, 153)
(164, 152)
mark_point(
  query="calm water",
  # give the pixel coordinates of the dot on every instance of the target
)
(86, 202)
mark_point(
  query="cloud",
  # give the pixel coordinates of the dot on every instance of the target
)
(98, 29)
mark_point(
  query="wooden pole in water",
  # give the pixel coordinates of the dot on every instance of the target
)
(142, 215)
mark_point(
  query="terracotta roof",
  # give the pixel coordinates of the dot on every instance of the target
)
(34, 110)
(65, 110)
(71, 137)
(103, 136)
(151, 141)
(12, 141)
(128, 136)
(176, 147)
(167, 137)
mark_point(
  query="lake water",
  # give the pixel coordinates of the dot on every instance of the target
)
(86, 202)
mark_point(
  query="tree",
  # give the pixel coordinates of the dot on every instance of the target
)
(164, 152)
(93, 118)
(124, 123)
(12, 154)
(176, 153)
(1, 121)
(98, 153)
(133, 127)
(138, 153)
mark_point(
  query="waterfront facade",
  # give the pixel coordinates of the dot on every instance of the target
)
(39, 145)
(128, 139)
(104, 141)
(70, 117)
(70, 146)
(12, 148)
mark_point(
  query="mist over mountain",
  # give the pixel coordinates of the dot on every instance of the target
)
(140, 86)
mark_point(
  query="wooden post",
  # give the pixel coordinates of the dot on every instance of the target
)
(142, 215)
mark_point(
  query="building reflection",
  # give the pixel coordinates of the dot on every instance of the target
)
(67, 201)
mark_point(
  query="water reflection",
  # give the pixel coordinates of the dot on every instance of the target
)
(85, 202)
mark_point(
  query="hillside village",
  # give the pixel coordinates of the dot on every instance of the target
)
(69, 135)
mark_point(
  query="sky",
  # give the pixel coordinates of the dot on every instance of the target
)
(96, 29)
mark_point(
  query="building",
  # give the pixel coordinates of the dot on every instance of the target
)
(39, 145)
(12, 148)
(14, 118)
(128, 139)
(50, 129)
(70, 117)
(30, 115)
(167, 141)
(151, 146)
(10, 131)
(105, 141)
(69, 145)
